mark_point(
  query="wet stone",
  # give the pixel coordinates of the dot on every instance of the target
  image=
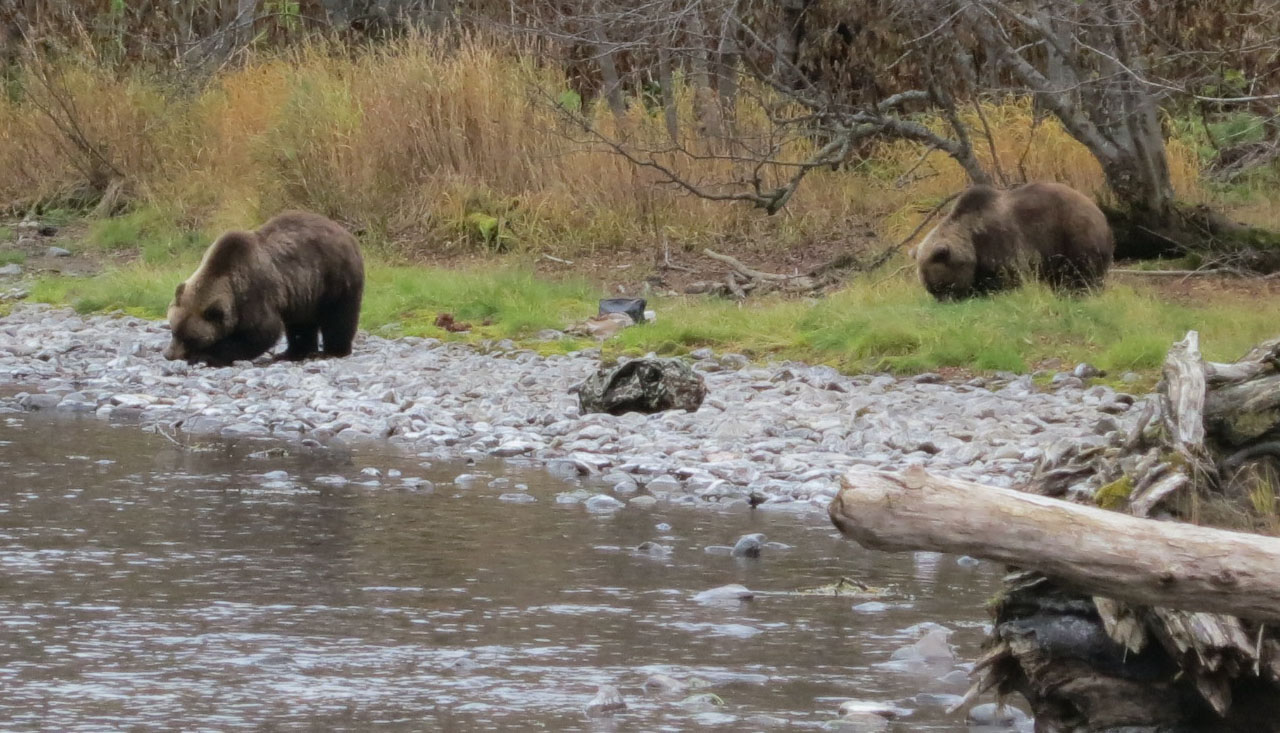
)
(665, 685)
(995, 715)
(606, 702)
(748, 546)
(725, 594)
(602, 504)
(517, 498)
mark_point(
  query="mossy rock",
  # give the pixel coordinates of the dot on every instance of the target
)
(1115, 495)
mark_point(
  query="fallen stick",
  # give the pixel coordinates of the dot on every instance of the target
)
(749, 272)
(1181, 273)
(1095, 551)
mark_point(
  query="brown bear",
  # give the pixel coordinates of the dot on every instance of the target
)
(991, 237)
(300, 274)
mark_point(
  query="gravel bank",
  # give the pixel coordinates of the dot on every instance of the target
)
(783, 432)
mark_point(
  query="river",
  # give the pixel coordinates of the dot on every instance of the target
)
(234, 586)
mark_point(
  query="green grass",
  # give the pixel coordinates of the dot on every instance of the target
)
(399, 300)
(406, 300)
(154, 235)
(12, 258)
(140, 290)
(869, 326)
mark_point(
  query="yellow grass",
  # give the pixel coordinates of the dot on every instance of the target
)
(422, 142)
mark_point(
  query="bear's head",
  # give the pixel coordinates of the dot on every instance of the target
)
(945, 261)
(203, 311)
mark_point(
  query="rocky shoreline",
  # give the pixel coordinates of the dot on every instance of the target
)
(774, 435)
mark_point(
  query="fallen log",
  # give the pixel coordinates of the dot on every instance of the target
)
(1091, 550)
(1110, 620)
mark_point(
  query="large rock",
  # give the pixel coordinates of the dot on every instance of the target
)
(643, 385)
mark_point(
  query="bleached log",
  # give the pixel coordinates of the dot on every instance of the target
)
(1094, 551)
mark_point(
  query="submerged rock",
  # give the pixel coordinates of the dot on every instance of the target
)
(748, 546)
(661, 684)
(932, 647)
(995, 715)
(603, 504)
(606, 702)
(725, 594)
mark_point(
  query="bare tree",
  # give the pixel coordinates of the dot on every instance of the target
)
(860, 72)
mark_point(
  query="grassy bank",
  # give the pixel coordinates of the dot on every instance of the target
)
(435, 150)
(873, 325)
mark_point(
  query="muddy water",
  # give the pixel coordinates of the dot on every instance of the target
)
(147, 587)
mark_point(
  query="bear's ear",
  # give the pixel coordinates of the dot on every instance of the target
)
(941, 253)
(913, 251)
(974, 200)
(231, 248)
(177, 292)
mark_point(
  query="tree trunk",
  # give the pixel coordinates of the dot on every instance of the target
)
(669, 112)
(786, 47)
(611, 83)
(704, 97)
(725, 67)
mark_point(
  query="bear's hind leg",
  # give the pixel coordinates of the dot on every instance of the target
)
(339, 326)
(304, 341)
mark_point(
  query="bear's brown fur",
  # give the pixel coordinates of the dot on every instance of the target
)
(991, 237)
(300, 274)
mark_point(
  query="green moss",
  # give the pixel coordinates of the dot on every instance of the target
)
(1114, 495)
(1246, 426)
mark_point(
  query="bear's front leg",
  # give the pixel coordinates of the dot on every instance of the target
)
(304, 343)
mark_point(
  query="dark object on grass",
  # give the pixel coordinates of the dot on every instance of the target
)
(633, 307)
(643, 385)
(445, 321)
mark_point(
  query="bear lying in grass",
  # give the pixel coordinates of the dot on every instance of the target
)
(992, 237)
(300, 274)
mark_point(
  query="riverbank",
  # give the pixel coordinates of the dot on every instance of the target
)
(776, 434)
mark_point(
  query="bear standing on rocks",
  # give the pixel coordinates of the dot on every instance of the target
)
(300, 274)
(991, 237)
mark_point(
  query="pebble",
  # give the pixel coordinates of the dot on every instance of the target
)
(58, 252)
(1085, 371)
(768, 435)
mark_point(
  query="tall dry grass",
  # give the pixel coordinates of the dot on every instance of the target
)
(431, 145)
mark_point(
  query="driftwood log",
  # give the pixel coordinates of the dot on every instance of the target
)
(1111, 620)
(1085, 548)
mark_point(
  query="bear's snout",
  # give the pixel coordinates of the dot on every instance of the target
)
(174, 351)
